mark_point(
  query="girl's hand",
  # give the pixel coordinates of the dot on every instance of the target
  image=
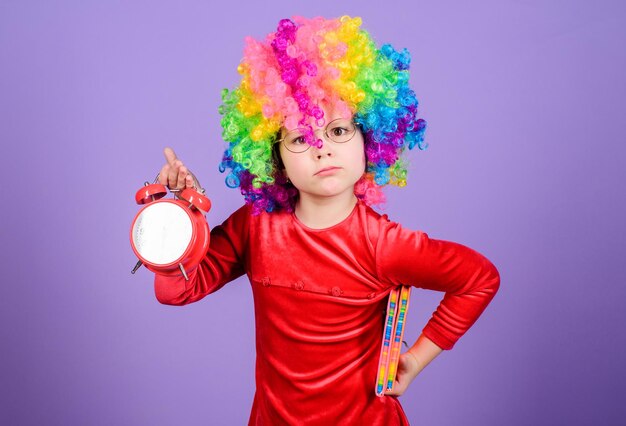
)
(175, 175)
(408, 369)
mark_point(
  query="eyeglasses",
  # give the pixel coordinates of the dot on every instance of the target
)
(340, 130)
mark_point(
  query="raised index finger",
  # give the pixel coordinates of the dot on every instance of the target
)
(170, 156)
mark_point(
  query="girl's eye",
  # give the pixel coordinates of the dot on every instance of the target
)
(299, 140)
(338, 131)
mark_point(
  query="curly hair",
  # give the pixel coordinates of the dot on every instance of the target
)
(285, 79)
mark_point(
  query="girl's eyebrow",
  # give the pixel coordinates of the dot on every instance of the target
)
(328, 121)
(296, 130)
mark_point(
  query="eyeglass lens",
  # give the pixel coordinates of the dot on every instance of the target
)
(338, 131)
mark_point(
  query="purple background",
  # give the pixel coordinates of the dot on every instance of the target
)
(524, 101)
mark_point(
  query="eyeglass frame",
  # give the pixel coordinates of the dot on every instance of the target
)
(356, 127)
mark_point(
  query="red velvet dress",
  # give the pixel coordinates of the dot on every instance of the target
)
(320, 299)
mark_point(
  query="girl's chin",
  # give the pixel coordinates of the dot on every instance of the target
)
(331, 191)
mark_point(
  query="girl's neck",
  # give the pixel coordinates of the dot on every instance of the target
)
(324, 212)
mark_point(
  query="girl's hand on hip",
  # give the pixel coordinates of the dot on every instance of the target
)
(174, 174)
(408, 369)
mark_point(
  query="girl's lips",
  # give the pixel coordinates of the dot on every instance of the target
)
(327, 170)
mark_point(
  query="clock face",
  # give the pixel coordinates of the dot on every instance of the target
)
(162, 233)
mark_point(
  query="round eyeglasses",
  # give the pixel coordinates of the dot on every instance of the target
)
(340, 130)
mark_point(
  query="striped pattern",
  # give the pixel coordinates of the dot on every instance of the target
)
(397, 308)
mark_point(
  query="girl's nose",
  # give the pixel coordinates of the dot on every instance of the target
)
(324, 150)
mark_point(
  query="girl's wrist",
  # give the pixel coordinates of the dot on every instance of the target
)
(417, 361)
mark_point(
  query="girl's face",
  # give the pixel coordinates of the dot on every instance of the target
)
(329, 171)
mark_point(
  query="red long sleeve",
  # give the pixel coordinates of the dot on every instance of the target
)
(468, 279)
(223, 263)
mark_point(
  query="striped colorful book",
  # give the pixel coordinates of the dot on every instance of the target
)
(397, 307)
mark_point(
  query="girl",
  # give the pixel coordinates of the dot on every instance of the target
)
(315, 129)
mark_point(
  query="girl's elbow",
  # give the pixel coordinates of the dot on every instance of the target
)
(493, 281)
(166, 299)
(169, 290)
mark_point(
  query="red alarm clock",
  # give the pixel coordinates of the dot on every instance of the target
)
(170, 236)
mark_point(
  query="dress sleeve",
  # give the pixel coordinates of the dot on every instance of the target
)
(223, 263)
(468, 279)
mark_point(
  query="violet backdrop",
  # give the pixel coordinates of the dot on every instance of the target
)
(524, 103)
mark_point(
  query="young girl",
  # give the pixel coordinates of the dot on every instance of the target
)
(315, 129)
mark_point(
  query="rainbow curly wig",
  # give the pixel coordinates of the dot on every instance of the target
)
(285, 79)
